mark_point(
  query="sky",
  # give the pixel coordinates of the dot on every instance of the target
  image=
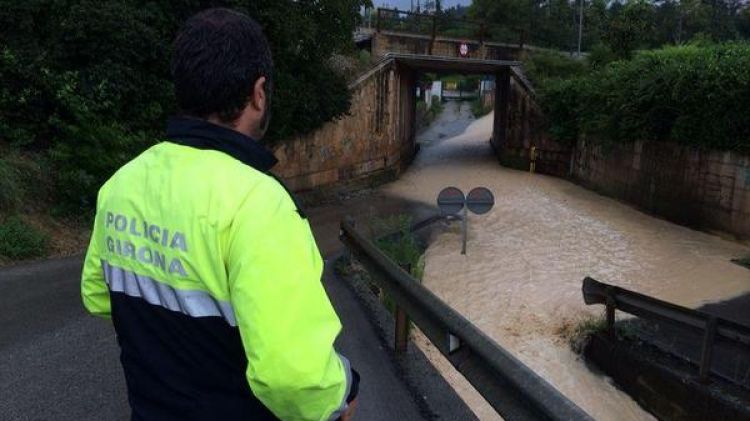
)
(406, 4)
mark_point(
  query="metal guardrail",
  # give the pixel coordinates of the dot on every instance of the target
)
(713, 328)
(511, 388)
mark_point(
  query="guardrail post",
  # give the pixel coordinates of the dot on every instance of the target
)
(401, 335)
(611, 306)
(708, 350)
(402, 330)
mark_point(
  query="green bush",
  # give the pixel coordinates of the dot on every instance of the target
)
(542, 65)
(600, 55)
(693, 95)
(19, 240)
(401, 245)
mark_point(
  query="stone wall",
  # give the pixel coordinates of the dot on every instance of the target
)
(374, 138)
(701, 188)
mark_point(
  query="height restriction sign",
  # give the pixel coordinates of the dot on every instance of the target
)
(463, 49)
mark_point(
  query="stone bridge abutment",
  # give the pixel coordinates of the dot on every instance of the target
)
(376, 139)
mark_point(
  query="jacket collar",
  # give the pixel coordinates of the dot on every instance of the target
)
(202, 134)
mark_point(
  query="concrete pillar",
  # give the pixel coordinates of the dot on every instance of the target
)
(407, 111)
(502, 108)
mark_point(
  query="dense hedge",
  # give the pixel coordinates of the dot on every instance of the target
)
(697, 95)
(86, 83)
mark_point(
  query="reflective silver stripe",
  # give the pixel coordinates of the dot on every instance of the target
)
(194, 303)
(344, 405)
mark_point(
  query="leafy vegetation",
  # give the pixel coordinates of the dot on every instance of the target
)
(85, 84)
(400, 243)
(540, 66)
(696, 95)
(19, 240)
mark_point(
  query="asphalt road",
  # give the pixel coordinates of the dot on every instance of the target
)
(56, 361)
(59, 363)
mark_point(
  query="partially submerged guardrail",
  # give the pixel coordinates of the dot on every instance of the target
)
(713, 328)
(513, 390)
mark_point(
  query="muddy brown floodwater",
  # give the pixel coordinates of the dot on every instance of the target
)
(521, 279)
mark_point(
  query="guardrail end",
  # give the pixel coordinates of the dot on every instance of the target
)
(593, 291)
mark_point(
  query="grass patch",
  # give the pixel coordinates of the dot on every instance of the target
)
(577, 333)
(400, 244)
(19, 240)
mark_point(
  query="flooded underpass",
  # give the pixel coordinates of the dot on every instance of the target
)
(520, 281)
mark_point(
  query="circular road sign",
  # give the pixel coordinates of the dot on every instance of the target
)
(451, 200)
(480, 200)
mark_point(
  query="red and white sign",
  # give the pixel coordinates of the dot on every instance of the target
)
(463, 50)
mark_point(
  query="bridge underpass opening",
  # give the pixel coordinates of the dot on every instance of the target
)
(411, 66)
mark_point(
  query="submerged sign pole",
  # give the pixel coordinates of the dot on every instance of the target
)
(465, 229)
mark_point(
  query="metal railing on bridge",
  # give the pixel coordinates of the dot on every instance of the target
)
(711, 328)
(510, 387)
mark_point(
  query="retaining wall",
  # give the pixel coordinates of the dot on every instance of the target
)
(703, 188)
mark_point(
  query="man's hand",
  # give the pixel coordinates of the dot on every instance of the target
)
(350, 411)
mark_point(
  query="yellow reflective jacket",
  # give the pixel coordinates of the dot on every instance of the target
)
(213, 281)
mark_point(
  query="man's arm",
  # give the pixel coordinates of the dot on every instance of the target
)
(94, 291)
(286, 321)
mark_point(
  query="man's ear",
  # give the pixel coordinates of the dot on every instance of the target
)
(259, 100)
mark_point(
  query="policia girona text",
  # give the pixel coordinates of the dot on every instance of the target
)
(162, 237)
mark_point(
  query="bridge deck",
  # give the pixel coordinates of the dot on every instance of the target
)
(433, 63)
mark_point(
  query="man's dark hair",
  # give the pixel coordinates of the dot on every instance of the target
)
(219, 54)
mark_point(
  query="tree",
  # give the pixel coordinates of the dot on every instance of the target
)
(87, 83)
(596, 21)
(631, 28)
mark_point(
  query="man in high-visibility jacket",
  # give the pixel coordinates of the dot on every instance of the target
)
(204, 262)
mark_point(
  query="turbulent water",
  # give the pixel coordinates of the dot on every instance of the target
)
(521, 279)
